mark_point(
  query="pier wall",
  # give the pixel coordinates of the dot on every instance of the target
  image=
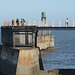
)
(28, 62)
(8, 60)
(43, 42)
(22, 61)
(19, 61)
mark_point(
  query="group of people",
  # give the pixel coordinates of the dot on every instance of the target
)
(43, 14)
(18, 22)
(22, 21)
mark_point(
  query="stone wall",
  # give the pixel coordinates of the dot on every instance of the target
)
(8, 60)
(45, 41)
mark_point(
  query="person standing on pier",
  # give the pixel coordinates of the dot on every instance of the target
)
(66, 22)
(43, 17)
(23, 22)
(17, 22)
(13, 22)
(3, 23)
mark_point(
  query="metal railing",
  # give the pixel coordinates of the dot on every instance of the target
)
(53, 23)
(58, 23)
(27, 23)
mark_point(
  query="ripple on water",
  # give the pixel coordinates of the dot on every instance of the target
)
(64, 57)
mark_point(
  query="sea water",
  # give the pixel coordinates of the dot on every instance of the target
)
(64, 56)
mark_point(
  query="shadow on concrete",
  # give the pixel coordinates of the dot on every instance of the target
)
(67, 71)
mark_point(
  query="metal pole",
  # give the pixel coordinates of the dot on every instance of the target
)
(73, 23)
(59, 23)
(39, 24)
(53, 23)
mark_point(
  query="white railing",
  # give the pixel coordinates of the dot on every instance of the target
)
(27, 23)
(53, 23)
(59, 23)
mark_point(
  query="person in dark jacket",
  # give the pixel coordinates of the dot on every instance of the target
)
(13, 22)
(17, 22)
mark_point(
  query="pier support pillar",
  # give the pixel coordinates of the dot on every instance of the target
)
(51, 43)
(28, 62)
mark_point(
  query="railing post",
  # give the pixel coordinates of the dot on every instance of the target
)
(73, 23)
(59, 23)
(53, 23)
(46, 25)
(65, 24)
(42, 24)
(39, 24)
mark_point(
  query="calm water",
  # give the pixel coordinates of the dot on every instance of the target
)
(64, 57)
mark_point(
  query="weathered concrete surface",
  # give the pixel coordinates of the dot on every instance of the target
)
(18, 36)
(28, 63)
(22, 61)
(43, 42)
(8, 60)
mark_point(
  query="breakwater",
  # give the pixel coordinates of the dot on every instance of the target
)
(65, 52)
(44, 42)
(22, 58)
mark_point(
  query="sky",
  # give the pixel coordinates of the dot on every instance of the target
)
(31, 10)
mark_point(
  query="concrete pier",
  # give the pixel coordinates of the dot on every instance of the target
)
(8, 60)
(22, 61)
(23, 58)
(44, 42)
(28, 62)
